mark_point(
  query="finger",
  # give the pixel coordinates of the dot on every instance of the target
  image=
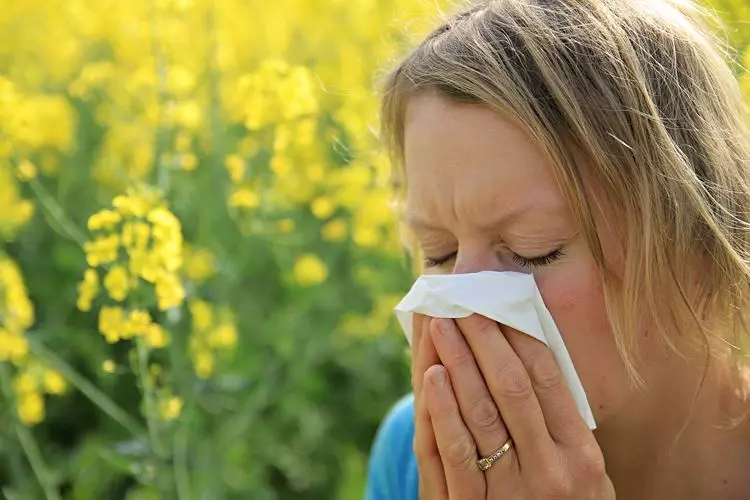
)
(426, 358)
(475, 402)
(421, 326)
(422, 359)
(416, 333)
(510, 386)
(431, 474)
(564, 421)
(458, 451)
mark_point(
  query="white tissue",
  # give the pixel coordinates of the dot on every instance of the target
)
(509, 298)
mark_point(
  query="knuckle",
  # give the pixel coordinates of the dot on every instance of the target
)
(461, 358)
(591, 462)
(460, 453)
(557, 491)
(513, 384)
(484, 415)
(546, 375)
(555, 486)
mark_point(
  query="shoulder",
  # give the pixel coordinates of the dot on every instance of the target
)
(392, 472)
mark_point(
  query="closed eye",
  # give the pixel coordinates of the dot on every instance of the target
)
(538, 261)
(438, 261)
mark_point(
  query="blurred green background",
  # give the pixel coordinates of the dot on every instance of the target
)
(199, 257)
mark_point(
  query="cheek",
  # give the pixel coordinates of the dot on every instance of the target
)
(575, 298)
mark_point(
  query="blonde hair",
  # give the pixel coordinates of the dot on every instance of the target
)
(641, 91)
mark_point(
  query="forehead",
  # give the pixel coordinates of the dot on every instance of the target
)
(472, 156)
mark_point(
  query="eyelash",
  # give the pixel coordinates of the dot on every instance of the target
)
(521, 261)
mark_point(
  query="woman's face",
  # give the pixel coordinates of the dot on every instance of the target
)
(481, 196)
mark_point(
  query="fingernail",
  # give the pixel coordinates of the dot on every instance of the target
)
(440, 378)
(446, 326)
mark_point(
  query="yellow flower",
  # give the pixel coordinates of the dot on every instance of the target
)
(315, 172)
(24, 383)
(137, 323)
(202, 314)
(166, 225)
(16, 313)
(281, 165)
(26, 170)
(169, 291)
(135, 236)
(54, 383)
(30, 408)
(183, 142)
(102, 250)
(111, 323)
(104, 219)
(180, 80)
(13, 347)
(224, 336)
(171, 408)
(188, 161)
(309, 270)
(145, 265)
(366, 236)
(236, 167)
(108, 366)
(88, 289)
(199, 264)
(170, 254)
(15, 212)
(286, 226)
(132, 205)
(203, 364)
(334, 231)
(156, 337)
(187, 114)
(244, 197)
(117, 283)
(322, 207)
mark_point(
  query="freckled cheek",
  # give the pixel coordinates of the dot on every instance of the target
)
(576, 302)
(574, 294)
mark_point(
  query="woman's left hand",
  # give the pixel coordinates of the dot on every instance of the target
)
(495, 385)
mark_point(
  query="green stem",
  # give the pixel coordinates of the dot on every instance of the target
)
(150, 414)
(89, 390)
(148, 401)
(28, 444)
(181, 474)
(67, 228)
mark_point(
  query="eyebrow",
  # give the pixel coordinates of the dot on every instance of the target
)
(417, 221)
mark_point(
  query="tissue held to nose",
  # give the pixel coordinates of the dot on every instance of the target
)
(508, 298)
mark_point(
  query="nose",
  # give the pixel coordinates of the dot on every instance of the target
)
(473, 260)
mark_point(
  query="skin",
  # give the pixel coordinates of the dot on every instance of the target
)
(481, 196)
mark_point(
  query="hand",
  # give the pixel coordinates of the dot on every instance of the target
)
(494, 385)
(431, 475)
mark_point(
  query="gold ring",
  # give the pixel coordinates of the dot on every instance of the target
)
(489, 461)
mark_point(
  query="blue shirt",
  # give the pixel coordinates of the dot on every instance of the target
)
(392, 472)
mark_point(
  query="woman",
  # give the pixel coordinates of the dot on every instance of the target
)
(602, 146)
